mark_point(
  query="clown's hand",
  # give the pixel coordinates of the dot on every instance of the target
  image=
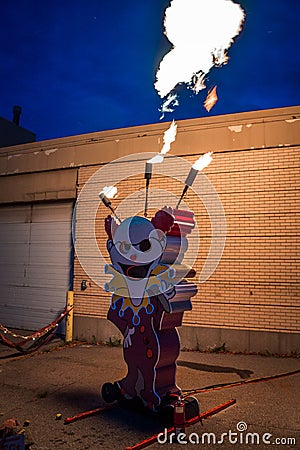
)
(127, 337)
(167, 290)
(163, 296)
(170, 293)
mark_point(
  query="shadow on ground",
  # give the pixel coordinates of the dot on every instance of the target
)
(242, 373)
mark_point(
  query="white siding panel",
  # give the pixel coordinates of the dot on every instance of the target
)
(35, 261)
(14, 233)
(43, 276)
(14, 253)
(30, 308)
(12, 274)
(55, 212)
(49, 254)
(46, 232)
(15, 214)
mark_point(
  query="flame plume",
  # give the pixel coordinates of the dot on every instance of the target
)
(169, 137)
(201, 32)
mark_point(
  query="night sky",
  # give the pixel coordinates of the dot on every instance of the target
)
(78, 66)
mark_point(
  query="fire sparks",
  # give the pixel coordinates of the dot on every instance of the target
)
(211, 99)
(169, 105)
(201, 32)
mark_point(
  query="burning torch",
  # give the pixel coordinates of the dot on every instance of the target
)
(169, 137)
(200, 164)
(148, 176)
(107, 193)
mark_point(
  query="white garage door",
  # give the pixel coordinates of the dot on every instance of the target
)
(35, 263)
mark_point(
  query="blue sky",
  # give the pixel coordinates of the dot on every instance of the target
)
(78, 66)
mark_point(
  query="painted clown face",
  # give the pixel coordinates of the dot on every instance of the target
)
(136, 247)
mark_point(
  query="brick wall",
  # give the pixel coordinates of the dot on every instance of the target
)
(255, 285)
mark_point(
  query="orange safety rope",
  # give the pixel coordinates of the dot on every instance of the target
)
(35, 340)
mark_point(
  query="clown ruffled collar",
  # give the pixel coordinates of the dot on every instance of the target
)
(136, 293)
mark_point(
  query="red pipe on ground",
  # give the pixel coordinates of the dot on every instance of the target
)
(210, 412)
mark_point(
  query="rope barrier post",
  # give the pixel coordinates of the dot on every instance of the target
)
(69, 317)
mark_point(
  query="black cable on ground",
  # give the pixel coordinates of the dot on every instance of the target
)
(213, 387)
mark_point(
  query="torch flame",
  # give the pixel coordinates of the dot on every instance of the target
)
(156, 159)
(109, 191)
(203, 161)
(169, 137)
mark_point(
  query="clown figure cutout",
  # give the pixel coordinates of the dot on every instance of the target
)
(149, 297)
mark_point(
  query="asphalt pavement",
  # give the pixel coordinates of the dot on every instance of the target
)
(66, 380)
